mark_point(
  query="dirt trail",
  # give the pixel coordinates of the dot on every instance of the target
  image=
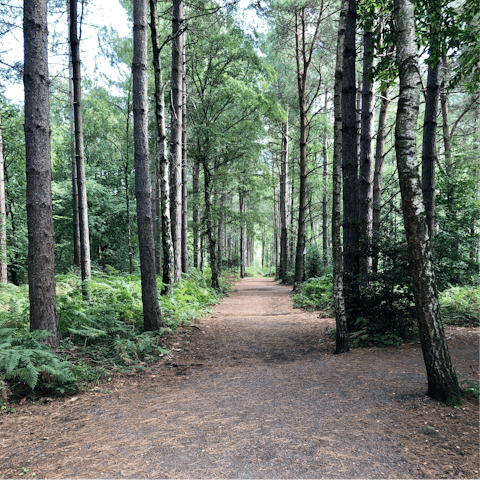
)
(253, 391)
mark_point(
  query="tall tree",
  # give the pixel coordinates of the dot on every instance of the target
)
(284, 202)
(442, 381)
(304, 50)
(367, 160)
(151, 309)
(41, 240)
(79, 150)
(337, 258)
(3, 215)
(178, 47)
(162, 160)
(350, 167)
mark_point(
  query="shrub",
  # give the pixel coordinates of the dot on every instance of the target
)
(460, 305)
(315, 294)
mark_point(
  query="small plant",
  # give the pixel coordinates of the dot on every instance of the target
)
(471, 388)
(459, 305)
(315, 294)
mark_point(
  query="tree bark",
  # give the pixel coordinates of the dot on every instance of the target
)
(442, 381)
(325, 200)
(79, 150)
(126, 172)
(350, 168)
(337, 258)
(184, 172)
(367, 159)
(210, 231)
(243, 235)
(284, 203)
(77, 249)
(41, 240)
(152, 319)
(196, 224)
(167, 245)
(178, 45)
(3, 215)
(429, 145)
(377, 180)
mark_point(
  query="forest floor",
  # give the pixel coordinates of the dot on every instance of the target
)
(253, 391)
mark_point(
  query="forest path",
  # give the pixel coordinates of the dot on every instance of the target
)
(253, 391)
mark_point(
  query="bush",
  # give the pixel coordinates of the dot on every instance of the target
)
(315, 294)
(97, 336)
(460, 305)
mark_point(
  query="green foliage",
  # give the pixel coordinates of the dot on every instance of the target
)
(315, 294)
(471, 388)
(368, 333)
(313, 262)
(460, 305)
(100, 335)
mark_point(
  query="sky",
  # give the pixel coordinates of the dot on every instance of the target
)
(109, 14)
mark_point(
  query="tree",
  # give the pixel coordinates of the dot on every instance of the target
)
(350, 167)
(339, 302)
(162, 161)
(41, 253)
(151, 308)
(442, 381)
(284, 214)
(79, 151)
(176, 131)
(3, 215)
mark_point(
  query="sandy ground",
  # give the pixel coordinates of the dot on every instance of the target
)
(253, 391)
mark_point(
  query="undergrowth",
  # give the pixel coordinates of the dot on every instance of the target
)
(315, 294)
(97, 337)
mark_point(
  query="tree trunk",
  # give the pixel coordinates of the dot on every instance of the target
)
(79, 151)
(350, 168)
(429, 145)
(377, 179)
(276, 220)
(196, 224)
(126, 172)
(151, 310)
(367, 159)
(302, 70)
(243, 236)
(284, 204)
(41, 239)
(3, 215)
(211, 235)
(325, 200)
(442, 381)
(167, 245)
(337, 259)
(178, 45)
(77, 249)
(184, 173)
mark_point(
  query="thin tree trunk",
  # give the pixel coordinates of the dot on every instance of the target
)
(243, 239)
(377, 180)
(167, 245)
(442, 381)
(3, 215)
(79, 151)
(184, 173)
(350, 168)
(126, 175)
(325, 200)
(276, 220)
(367, 159)
(41, 239)
(429, 145)
(77, 249)
(196, 224)
(212, 240)
(178, 45)
(337, 258)
(152, 319)
(284, 203)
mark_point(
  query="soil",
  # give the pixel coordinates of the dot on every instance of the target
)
(253, 391)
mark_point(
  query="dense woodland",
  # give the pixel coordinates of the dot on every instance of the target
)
(337, 150)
